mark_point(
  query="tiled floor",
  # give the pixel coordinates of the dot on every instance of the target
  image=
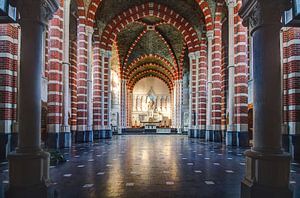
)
(150, 167)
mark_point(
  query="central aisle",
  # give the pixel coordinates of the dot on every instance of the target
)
(151, 166)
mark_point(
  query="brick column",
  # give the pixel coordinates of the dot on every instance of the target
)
(178, 105)
(8, 87)
(202, 83)
(97, 103)
(192, 96)
(89, 32)
(241, 79)
(231, 135)
(73, 84)
(105, 131)
(209, 129)
(216, 80)
(66, 131)
(82, 133)
(291, 71)
(55, 137)
(123, 105)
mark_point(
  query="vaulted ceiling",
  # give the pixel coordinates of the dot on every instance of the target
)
(155, 44)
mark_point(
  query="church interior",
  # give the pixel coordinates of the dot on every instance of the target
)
(150, 98)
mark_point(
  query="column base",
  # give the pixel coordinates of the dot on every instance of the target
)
(231, 138)
(3, 146)
(209, 136)
(96, 134)
(267, 175)
(8, 143)
(28, 175)
(296, 147)
(196, 133)
(43, 190)
(250, 190)
(237, 138)
(83, 136)
(105, 134)
(243, 139)
(217, 136)
(286, 141)
(59, 140)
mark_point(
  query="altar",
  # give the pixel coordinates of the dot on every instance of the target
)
(150, 125)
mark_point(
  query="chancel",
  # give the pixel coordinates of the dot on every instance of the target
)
(149, 98)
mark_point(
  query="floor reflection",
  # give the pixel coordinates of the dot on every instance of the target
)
(150, 166)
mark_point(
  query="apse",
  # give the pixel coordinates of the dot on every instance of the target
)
(151, 103)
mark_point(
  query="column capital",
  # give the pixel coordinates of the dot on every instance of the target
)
(89, 29)
(102, 52)
(192, 55)
(231, 3)
(108, 54)
(197, 54)
(256, 13)
(210, 34)
(36, 10)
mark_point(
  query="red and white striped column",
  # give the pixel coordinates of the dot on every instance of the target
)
(216, 79)
(178, 105)
(209, 129)
(197, 95)
(202, 83)
(73, 84)
(9, 56)
(123, 116)
(82, 134)
(192, 96)
(241, 79)
(97, 103)
(105, 131)
(291, 75)
(55, 78)
(231, 134)
(90, 31)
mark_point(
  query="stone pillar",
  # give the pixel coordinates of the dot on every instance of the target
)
(267, 166)
(231, 136)
(209, 131)
(90, 32)
(65, 135)
(29, 165)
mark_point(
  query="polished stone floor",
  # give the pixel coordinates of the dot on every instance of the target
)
(150, 166)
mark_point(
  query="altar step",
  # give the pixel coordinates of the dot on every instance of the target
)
(141, 131)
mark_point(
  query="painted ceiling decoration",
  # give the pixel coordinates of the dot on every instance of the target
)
(151, 38)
